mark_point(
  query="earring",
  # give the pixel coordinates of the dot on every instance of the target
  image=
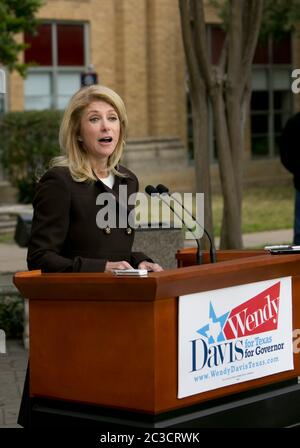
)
(79, 139)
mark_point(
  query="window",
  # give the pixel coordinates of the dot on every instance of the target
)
(2, 108)
(190, 134)
(271, 101)
(2, 90)
(59, 52)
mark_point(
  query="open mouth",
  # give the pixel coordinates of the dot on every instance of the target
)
(105, 140)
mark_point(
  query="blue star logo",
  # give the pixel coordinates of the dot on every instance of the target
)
(213, 331)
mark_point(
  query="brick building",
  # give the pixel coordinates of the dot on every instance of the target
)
(135, 47)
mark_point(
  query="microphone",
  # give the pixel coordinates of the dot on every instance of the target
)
(162, 189)
(153, 191)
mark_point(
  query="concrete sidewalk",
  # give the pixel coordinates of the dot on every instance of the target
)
(259, 239)
(12, 374)
(13, 258)
(14, 362)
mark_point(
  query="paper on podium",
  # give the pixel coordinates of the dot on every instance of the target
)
(131, 272)
(283, 249)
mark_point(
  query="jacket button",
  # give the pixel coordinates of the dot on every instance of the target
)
(128, 231)
(107, 230)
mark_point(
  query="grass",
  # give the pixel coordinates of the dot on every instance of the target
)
(6, 238)
(264, 208)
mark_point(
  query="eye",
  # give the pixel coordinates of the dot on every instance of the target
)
(113, 118)
(94, 119)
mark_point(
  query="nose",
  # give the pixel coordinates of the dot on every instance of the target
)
(105, 124)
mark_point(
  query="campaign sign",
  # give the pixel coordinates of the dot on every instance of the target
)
(232, 335)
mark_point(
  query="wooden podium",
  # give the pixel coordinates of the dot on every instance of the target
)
(104, 349)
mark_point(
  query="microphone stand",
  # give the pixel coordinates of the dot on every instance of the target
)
(212, 251)
(199, 258)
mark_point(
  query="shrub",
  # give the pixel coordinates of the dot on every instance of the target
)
(12, 316)
(29, 140)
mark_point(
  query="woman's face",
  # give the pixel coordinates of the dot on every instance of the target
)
(99, 130)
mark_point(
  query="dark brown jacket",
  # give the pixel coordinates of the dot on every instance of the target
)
(65, 236)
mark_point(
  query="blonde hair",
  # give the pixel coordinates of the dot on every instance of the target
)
(73, 155)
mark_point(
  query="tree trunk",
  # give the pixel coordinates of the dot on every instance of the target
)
(231, 236)
(202, 159)
(199, 103)
(227, 86)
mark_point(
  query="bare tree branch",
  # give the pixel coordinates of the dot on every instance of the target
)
(254, 18)
(234, 42)
(189, 49)
(201, 42)
(223, 58)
